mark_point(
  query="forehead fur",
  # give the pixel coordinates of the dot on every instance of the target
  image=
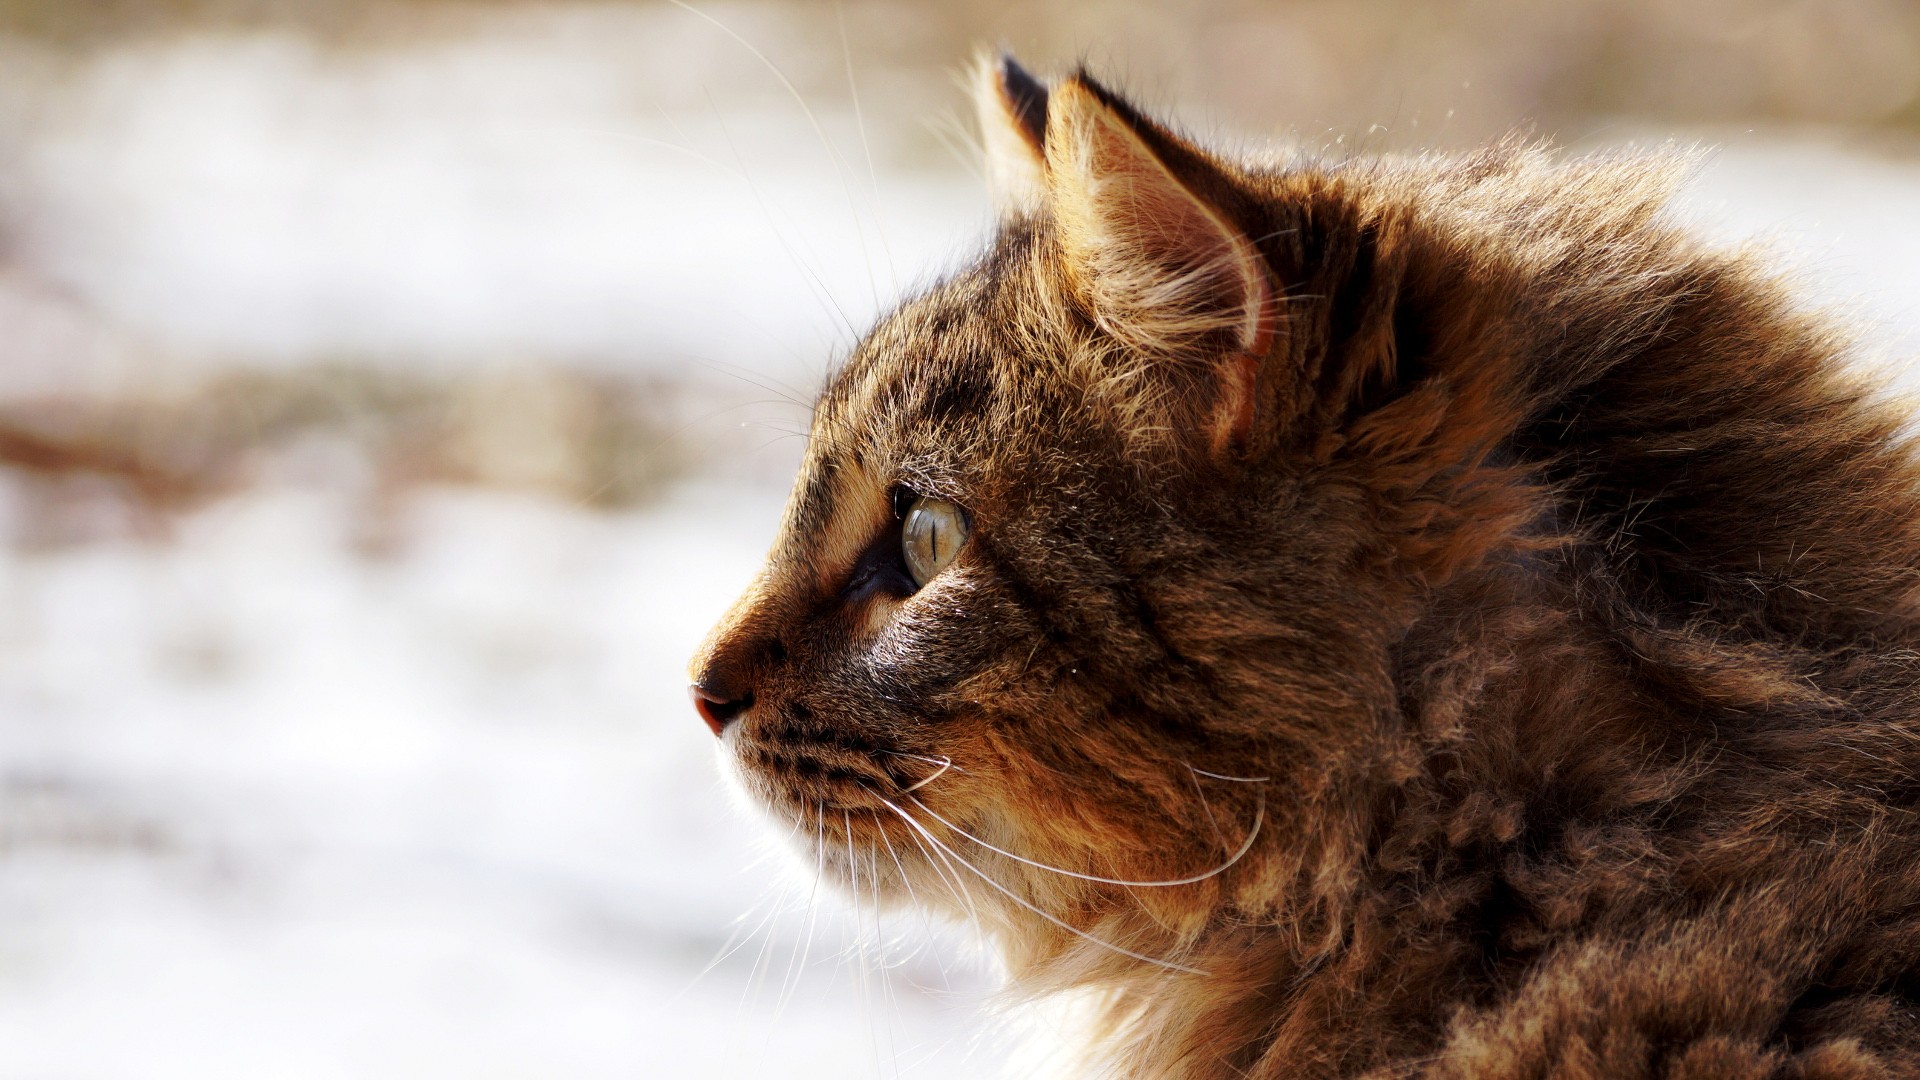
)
(967, 366)
(930, 383)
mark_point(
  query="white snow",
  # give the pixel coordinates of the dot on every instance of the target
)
(522, 190)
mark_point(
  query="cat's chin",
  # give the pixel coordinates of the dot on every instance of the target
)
(859, 853)
(864, 871)
(865, 850)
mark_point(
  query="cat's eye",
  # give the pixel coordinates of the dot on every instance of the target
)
(931, 534)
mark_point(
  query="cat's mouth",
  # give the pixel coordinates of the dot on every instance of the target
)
(861, 816)
(852, 822)
(798, 781)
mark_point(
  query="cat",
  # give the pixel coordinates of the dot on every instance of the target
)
(1370, 617)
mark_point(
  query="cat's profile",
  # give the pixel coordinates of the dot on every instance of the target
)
(1367, 617)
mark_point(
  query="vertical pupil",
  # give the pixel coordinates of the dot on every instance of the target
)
(931, 536)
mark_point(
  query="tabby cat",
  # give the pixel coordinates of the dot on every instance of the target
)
(1423, 617)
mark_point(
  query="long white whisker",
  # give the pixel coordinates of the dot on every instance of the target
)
(907, 881)
(736, 941)
(860, 122)
(767, 210)
(841, 171)
(890, 1004)
(957, 139)
(785, 391)
(825, 293)
(1212, 822)
(664, 144)
(1035, 909)
(1259, 816)
(944, 766)
(950, 877)
(865, 979)
(1234, 779)
(797, 961)
(757, 972)
(942, 760)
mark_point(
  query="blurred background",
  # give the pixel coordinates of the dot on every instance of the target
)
(392, 393)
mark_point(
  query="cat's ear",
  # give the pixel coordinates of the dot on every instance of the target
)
(1159, 266)
(1013, 129)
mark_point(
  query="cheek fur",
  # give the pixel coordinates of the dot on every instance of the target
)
(879, 614)
(860, 513)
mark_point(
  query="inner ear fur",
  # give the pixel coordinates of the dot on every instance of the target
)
(1160, 268)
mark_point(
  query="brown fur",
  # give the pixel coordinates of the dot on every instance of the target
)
(1549, 584)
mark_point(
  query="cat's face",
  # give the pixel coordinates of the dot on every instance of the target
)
(951, 611)
(1015, 647)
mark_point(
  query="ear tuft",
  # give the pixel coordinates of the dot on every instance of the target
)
(1157, 263)
(1012, 106)
(1161, 268)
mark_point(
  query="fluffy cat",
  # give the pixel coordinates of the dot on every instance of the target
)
(1370, 617)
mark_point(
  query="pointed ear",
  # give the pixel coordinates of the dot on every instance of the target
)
(1159, 267)
(1013, 125)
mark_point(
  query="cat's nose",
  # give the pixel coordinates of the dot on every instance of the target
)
(718, 710)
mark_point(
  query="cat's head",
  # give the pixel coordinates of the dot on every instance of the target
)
(1084, 600)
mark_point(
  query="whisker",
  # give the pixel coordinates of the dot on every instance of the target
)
(860, 122)
(863, 958)
(907, 881)
(824, 291)
(750, 993)
(1035, 909)
(942, 771)
(942, 760)
(841, 171)
(782, 389)
(774, 426)
(1233, 779)
(1212, 822)
(1259, 816)
(882, 967)
(797, 961)
(949, 877)
(780, 438)
(736, 941)
(667, 144)
(767, 209)
(1198, 792)
(957, 137)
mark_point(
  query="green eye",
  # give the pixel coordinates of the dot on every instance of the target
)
(931, 535)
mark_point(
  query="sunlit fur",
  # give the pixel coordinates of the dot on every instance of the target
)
(1543, 625)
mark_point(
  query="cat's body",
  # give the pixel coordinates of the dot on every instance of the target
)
(1408, 618)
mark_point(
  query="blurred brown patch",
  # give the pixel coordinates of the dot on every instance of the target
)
(589, 439)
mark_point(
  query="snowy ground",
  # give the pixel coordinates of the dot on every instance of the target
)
(271, 808)
(277, 803)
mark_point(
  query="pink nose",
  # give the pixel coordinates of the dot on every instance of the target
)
(716, 710)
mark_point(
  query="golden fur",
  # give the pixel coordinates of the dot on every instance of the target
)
(1422, 618)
